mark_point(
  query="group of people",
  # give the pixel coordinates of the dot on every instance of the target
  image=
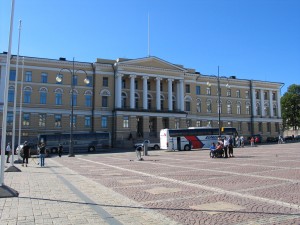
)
(26, 153)
(240, 141)
(223, 148)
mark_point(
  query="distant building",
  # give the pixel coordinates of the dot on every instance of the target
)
(135, 98)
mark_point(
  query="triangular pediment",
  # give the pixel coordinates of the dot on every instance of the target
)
(152, 62)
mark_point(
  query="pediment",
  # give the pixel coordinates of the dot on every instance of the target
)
(152, 62)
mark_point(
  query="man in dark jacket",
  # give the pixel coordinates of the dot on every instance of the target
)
(26, 153)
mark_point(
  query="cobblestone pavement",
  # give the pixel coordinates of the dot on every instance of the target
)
(260, 185)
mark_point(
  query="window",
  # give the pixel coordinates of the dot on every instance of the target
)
(104, 101)
(123, 83)
(265, 95)
(208, 91)
(274, 96)
(149, 101)
(42, 120)
(187, 88)
(228, 93)
(136, 84)
(274, 110)
(257, 94)
(104, 121)
(125, 122)
(248, 108)
(44, 78)
(87, 121)
(266, 109)
(57, 119)
(74, 96)
(28, 76)
(58, 99)
(198, 90)
(257, 109)
(198, 123)
(229, 108)
(249, 127)
(136, 97)
(187, 106)
(198, 105)
(12, 75)
(43, 97)
(239, 126)
(74, 121)
(208, 105)
(10, 117)
(238, 108)
(148, 85)
(277, 127)
(238, 93)
(161, 87)
(123, 103)
(88, 100)
(105, 82)
(26, 119)
(247, 94)
(27, 96)
(11, 94)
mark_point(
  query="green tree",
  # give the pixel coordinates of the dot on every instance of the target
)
(290, 105)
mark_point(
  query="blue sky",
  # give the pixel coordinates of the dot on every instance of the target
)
(250, 39)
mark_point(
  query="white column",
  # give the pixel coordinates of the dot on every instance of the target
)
(253, 102)
(145, 92)
(170, 106)
(158, 79)
(2, 83)
(181, 95)
(271, 104)
(262, 103)
(132, 88)
(118, 90)
(178, 105)
(278, 104)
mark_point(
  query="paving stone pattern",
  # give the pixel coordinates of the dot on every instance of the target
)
(260, 185)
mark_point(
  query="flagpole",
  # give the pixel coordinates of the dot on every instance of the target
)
(5, 100)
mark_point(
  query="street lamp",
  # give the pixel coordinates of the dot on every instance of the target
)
(219, 96)
(86, 81)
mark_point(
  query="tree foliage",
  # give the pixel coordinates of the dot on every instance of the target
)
(290, 105)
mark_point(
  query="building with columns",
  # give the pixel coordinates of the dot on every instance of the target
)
(134, 99)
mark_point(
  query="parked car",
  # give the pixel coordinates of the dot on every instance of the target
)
(272, 139)
(155, 146)
(297, 137)
(288, 138)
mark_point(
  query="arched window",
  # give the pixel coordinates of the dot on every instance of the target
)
(74, 96)
(27, 94)
(43, 95)
(88, 98)
(58, 96)
(187, 101)
(104, 97)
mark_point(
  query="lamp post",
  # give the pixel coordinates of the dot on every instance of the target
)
(219, 97)
(86, 81)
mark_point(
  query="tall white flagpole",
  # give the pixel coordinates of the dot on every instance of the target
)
(5, 100)
(15, 100)
(148, 35)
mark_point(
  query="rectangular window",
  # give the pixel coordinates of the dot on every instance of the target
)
(198, 123)
(27, 96)
(11, 95)
(238, 94)
(123, 83)
(43, 98)
(257, 94)
(249, 127)
(136, 84)
(268, 127)
(265, 95)
(44, 78)
(247, 94)
(260, 128)
(57, 119)
(87, 121)
(208, 91)
(26, 119)
(187, 106)
(228, 92)
(148, 85)
(104, 101)
(187, 88)
(161, 87)
(58, 99)
(125, 122)
(42, 120)
(239, 126)
(9, 119)
(12, 75)
(198, 90)
(104, 121)
(105, 82)
(28, 76)
(274, 96)
(88, 101)
(277, 127)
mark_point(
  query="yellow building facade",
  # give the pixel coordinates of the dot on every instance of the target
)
(134, 99)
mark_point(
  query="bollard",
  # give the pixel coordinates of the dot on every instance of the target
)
(145, 147)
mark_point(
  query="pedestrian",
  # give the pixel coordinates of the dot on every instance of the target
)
(42, 154)
(138, 151)
(8, 152)
(242, 141)
(230, 147)
(212, 150)
(60, 150)
(252, 141)
(256, 140)
(226, 143)
(237, 141)
(26, 153)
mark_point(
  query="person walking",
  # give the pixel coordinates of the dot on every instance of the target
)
(42, 154)
(252, 141)
(226, 143)
(138, 151)
(8, 152)
(26, 153)
(60, 150)
(230, 147)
